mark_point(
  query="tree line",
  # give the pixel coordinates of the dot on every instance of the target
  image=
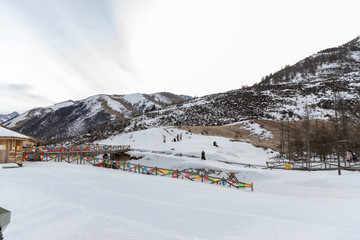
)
(321, 139)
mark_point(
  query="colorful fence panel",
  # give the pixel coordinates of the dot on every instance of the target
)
(137, 168)
(70, 154)
(39, 153)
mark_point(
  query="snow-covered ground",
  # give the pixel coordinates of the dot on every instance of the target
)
(60, 201)
(255, 129)
(186, 153)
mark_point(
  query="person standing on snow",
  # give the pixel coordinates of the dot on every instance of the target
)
(203, 155)
(354, 156)
(348, 155)
(164, 138)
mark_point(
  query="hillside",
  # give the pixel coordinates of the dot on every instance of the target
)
(71, 118)
(6, 117)
(314, 82)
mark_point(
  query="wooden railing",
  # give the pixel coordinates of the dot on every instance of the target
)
(38, 153)
(230, 180)
(314, 165)
(80, 155)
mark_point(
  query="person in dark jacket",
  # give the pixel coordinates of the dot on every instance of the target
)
(354, 156)
(215, 144)
(203, 155)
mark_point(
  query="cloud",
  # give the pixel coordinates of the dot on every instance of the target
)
(66, 24)
(22, 90)
(19, 97)
(61, 49)
(65, 49)
(201, 47)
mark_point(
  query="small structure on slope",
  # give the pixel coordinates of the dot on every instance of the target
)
(11, 146)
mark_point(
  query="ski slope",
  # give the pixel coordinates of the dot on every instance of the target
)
(60, 201)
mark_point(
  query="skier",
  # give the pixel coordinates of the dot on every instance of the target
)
(178, 137)
(203, 155)
(215, 144)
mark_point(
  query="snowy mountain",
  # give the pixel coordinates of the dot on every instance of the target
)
(311, 82)
(72, 118)
(6, 117)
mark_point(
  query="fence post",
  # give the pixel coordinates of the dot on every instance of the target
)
(252, 187)
(156, 171)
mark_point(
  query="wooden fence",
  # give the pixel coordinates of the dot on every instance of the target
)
(71, 153)
(87, 155)
(314, 165)
(230, 181)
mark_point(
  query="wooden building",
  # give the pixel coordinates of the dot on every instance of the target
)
(11, 146)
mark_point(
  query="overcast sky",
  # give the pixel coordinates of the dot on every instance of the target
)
(56, 50)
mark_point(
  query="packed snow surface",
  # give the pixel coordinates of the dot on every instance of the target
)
(60, 201)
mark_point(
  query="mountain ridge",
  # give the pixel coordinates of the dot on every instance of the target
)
(311, 83)
(6, 117)
(70, 118)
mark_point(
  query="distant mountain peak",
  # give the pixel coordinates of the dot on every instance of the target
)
(6, 117)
